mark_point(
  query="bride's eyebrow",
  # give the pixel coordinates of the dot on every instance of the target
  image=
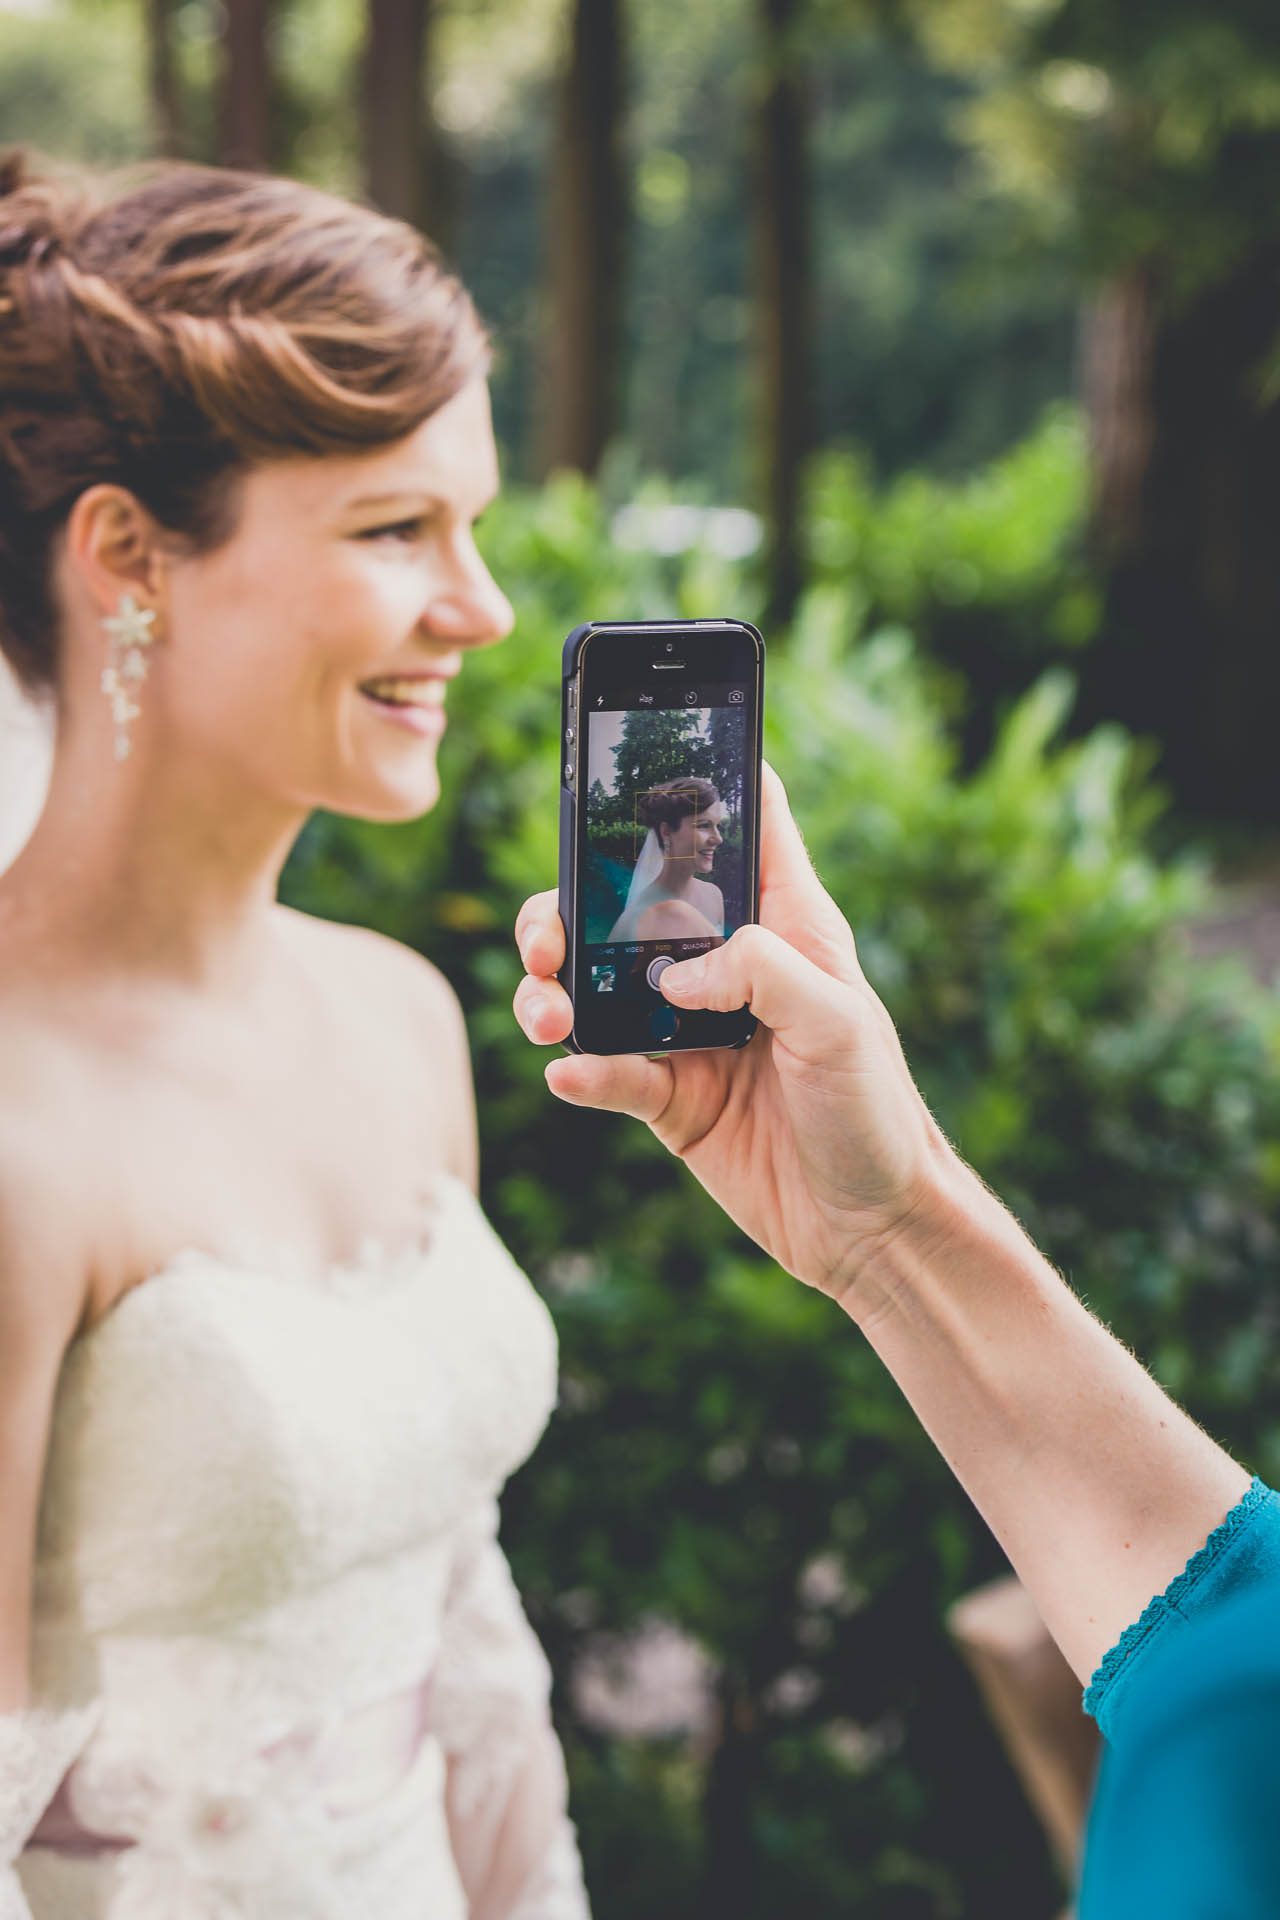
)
(405, 497)
(428, 502)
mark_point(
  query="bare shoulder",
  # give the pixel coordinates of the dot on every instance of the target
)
(55, 1114)
(45, 1270)
(408, 994)
(379, 961)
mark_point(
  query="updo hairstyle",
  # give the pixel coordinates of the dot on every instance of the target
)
(168, 329)
(674, 801)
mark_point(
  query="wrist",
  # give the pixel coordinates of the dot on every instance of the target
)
(952, 1214)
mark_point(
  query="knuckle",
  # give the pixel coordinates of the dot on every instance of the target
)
(750, 939)
(536, 911)
(528, 1000)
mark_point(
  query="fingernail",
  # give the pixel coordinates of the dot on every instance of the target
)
(524, 941)
(684, 976)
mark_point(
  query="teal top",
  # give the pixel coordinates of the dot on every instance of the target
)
(1185, 1822)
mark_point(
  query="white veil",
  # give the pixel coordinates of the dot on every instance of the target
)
(26, 755)
(647, 869)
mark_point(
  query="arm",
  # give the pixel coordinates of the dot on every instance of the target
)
(40, 1307)
(505, 1790)
(506, 1793)
(816, 1142)
(1096, 1485)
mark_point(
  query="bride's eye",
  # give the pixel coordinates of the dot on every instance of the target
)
(406, 530)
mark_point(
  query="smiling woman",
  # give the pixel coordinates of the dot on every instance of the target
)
(264, 1365)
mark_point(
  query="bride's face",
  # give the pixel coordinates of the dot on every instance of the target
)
(694, 843)
(340, 569)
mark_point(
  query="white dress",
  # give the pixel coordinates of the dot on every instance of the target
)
(269, 1598)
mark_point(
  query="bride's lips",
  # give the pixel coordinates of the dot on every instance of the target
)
(418, 719)
(421, 717)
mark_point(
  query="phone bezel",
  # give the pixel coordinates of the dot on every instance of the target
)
(691, 1029)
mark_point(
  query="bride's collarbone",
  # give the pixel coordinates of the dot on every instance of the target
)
(232, 1157)
(263, 1207)
(313, 1119)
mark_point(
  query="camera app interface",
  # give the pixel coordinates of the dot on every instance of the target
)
(663, 872)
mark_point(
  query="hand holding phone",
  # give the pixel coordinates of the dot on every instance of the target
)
(814, 1138)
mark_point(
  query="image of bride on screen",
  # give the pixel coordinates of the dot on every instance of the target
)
(672, 895)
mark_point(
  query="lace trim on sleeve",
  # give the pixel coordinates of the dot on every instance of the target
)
(492, 1682)
(490, 1696)
(1171, 1600)
(555, 1891)
(37, 1747)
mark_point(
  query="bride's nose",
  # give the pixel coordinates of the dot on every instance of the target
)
(472, 620)
(472, 609)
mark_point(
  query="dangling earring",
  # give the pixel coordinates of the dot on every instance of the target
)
(130, 631)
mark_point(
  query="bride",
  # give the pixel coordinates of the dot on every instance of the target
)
(671, 894)
(264, 1364)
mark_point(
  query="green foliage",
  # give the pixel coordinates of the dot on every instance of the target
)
(1003, 542)
(990, 573)
(1147, 129)
(728, 1454)
(75, 91)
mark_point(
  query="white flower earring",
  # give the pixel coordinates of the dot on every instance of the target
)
(130, 631)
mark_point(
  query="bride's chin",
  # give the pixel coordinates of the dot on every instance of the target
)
(408, 801)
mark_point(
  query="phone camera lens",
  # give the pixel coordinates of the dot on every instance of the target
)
(670, 645)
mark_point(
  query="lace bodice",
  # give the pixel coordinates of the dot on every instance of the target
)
(269, 1603)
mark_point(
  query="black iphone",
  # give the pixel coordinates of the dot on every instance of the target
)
(660, 739)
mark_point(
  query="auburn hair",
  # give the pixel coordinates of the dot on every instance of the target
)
(167, 328)
(673, 801)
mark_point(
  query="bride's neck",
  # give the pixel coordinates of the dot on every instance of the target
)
(132, 867)
(676, 878)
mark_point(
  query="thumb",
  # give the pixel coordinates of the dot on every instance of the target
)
(756, 968)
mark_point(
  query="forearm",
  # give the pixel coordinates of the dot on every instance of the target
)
(1096, 1485)
(498, 1847)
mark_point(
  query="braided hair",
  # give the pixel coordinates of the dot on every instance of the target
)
(168, 329)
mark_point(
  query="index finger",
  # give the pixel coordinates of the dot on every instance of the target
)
(793, 900)
(539, 933)
(784, 857)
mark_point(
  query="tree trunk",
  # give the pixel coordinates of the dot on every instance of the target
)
(397, 140)
(1186, 450)
(784, 298)
(588, 213)
(1034, 1700)
(727, 1802)
(167, 134)
(244, 135)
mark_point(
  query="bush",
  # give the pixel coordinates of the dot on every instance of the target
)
(728, 1454)
(989, 573)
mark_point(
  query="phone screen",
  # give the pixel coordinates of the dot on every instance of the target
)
(666, 828)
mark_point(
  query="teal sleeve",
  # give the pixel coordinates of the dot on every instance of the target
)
(1240, 1554)
(1184, 1818)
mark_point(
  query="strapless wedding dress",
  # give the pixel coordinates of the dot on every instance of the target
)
(269, 1602)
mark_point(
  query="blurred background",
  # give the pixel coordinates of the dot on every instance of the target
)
(942, 339)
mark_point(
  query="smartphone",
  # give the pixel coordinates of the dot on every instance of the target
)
(660, 739)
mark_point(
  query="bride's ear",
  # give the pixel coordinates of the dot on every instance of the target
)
(114, 546)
